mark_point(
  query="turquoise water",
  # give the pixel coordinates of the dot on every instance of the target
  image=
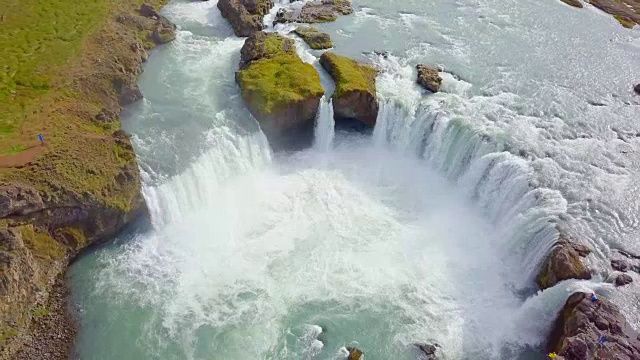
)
(429, 230)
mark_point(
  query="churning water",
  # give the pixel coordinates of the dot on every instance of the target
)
(429, 230)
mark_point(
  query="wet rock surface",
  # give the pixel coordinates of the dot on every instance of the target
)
(587, 329)
(318, 11)
(316, 39)
(355, 354)
(429, 77)
(355, 94)
(281, 91)
(564, 263)
(245, 16)
(623, 279)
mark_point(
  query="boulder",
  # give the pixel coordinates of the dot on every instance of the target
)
(429, 78)
(319, 11)
(355, 94)
(582, 323)
(355, 354)
(245, 16)
(19, 200)
(575, 3)
(619, 265)
(164, 31)
(564, 263)
(637, 89)
(316, 40)
(427, 351)
(623, 279)
(147, 10)
(281, 91)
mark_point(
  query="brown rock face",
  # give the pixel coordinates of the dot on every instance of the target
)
(18, 200)
(355, 94)
(582, 323)
(355, 354)
(429, 78)
(318, 11)
(281, 91)
(623, 279)
(564, 263)
(245, 16)
(627, 12)
(619, 265)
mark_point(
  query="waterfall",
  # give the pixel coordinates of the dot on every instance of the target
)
(496, 180)
(325, 126)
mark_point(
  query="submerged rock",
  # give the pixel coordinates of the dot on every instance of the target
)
(619, 265)
(355, 354)
(582, 325)
(245, 16)
(623, 279)
(429, 78)
(355, 94)
(427, 351)
(637, 89)
(281, 91)
(318, 11)
(316, 40)
(564, 263)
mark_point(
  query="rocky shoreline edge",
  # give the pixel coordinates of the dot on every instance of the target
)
(82, 189)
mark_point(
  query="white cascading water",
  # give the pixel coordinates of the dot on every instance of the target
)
(427, 231)
(325, 126)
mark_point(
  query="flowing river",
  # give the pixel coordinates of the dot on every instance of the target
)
(431, 229)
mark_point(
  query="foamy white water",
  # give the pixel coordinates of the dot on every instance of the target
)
(429, 230)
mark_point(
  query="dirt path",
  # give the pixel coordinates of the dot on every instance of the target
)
(23, 157)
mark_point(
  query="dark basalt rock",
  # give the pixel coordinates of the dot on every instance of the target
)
(619, 265)
(583, 323)
(637, 89)
(318, 11)
(623, 279)
(245, 16)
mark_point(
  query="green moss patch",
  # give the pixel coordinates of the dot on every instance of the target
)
(626, 22)
(314, 38)
(349, 75)
(41, 244)
(273, 83)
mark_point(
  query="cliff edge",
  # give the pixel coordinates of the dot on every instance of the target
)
(70, 68)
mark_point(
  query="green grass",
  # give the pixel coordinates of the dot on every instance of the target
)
(37, 37)
(272, 83)
(14, 149)
(349, 75)
(41, 243)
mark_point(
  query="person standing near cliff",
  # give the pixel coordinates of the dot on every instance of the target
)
(41, 138)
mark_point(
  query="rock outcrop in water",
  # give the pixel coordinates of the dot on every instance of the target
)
(355, 94)
(429, 78)
(83, 187)
(637, 89)
(564, 263)
(587, 330)
(627, 12)
(245, 16)
(316, 40)
(281, 91)
(319, 11)
(355, 354)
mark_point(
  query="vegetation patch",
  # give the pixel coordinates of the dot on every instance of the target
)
(41, 244)
(349, 75)
(273, 83)
(625, 21)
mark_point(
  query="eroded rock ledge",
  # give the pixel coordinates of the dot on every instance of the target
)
(564, 263)
(355, 94)
(587, 329)
(245, 16)
(78, 194)
(282, 92)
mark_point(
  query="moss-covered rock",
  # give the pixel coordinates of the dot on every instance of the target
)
(281, 91)
(355, 94)
(564, 263)
(245, 16)
(316, 40)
